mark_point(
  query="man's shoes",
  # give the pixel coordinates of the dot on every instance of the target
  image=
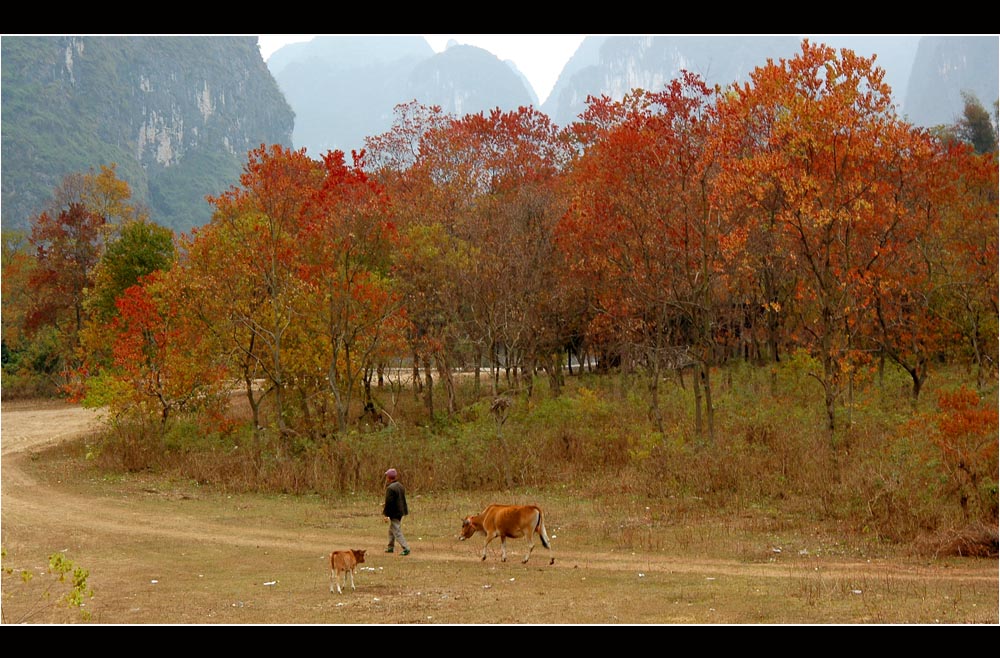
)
(406, 551)
(388, 550)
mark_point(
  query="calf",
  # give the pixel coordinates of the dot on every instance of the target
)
(503, 521)
(343, 564)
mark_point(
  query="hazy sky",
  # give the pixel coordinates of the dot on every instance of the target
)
(540, 57)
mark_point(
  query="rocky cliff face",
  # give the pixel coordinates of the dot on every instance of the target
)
(176, 114)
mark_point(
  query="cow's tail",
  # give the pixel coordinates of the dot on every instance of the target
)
(540, 527)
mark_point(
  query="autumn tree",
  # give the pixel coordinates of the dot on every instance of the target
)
(391, 155)
(824, 148)
(422, 206)
(913, 281)
(69, 238)
(137, 249)
(21, 369)
(67, 247)
(428, 268)
(641, 224)
(162, 362)
(233, 298)
(261, 218)
(474, 199)
(17, 262)
(749, 190)
(347, 242)
(101, 192)
(509, 162)
(932, 275)
(548, 311)
(963, 429)
(966, 260)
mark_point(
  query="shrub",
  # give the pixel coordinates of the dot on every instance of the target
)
(900, 475)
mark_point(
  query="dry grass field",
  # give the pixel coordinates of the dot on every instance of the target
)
(161, 551)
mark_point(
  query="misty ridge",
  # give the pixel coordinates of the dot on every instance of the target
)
(343, 89)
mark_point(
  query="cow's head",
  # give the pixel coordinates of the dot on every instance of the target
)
(468, 528)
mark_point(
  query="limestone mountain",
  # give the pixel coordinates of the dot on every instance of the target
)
(615, 65)
(345, 88)
(944, 67)
(588, 54)
(926, 73)
(176, 114)
(466, 80)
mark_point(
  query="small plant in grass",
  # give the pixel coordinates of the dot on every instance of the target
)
(33, 598)
(500, 410)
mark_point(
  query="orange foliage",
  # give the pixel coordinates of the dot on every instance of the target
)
(964, 430)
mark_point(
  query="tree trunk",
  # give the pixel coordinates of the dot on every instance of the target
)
(254, 403)
(477, 372)
(428, 389)
(918, 374)
(654, 396)
(415, 376)
(554, 369)
(697, 401)
(366, 382)
(494, 369)
(444, 370)
(338, 399)
(830, 400)
(709, 410)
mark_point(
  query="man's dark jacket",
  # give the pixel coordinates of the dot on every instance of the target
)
(395, 501)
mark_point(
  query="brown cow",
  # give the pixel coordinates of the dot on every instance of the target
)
(344, 564)
(503, 521)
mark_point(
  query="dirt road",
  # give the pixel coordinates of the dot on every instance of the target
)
(169, 552)
(26, 429)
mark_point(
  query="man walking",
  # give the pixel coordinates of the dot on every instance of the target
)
(394, 510)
